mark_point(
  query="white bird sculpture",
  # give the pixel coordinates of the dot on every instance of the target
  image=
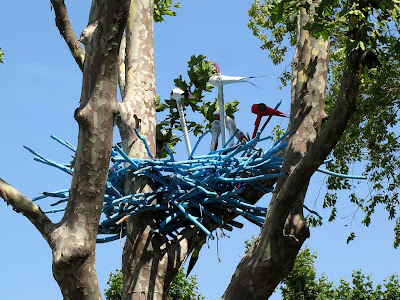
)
(219, 81)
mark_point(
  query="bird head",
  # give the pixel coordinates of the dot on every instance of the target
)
(179, 94)
(216, 69)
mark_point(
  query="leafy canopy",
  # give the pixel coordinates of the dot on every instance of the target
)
(371, 140)
(181, 288)
(302, 284)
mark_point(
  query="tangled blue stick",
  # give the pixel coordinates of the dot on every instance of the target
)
(193, 191)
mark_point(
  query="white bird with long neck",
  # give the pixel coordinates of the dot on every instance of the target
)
(177, 95)
(219, 81)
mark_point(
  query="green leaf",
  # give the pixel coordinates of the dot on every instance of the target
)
(164, 8)
(350, 237)
(1, 56)
(231, 108)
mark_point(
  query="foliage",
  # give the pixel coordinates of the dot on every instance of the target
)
(370, 135)
(114, 291)
(199, 71)
(1, 56)
(303, 284)
(164, 8)
(181, 288)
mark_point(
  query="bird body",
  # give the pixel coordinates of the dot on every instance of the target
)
(219, 79)
(262, 110)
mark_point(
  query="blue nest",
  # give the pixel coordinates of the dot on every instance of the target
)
(193, 191)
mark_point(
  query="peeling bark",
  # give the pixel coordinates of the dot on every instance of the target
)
(137, 109)
(21, 204)
(149, 261)
(285, 229)
(73, 239)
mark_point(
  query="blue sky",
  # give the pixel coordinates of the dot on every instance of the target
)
(40, 89)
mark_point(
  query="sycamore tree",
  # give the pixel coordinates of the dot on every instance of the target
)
(355, 109)
(353, 41)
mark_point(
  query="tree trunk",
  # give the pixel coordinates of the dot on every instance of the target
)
(73, 240)
(149, 261)
(273, 254)
(142, 255)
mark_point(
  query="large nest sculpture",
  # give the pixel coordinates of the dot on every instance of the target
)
(197, 190)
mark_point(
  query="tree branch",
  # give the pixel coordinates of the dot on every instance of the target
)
(64, 26)
(121, 66)
(22, 204)
(337, 122)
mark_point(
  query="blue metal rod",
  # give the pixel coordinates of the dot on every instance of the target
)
(193, 220)
(231, 138)
(252, 218)
(53, 164)
(144, 142)
(168, 219)
(66, 144)
(197, 143)
(126, 157)
(260, 177)
(341, 175)
(170, 153)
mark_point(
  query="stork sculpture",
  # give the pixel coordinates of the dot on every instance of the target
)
(219, 81)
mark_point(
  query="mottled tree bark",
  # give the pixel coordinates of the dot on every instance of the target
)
(150, 261)
(64, 26)
(73, 239)
(272, 256)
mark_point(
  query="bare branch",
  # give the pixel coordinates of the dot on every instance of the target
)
(337, 122)
(64, 26)
(121, 66)
(22, 204)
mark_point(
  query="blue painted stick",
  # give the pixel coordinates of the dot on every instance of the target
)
(144, 142)
(193, 220)
(197, 143)
(340, 175)
(66, 144)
